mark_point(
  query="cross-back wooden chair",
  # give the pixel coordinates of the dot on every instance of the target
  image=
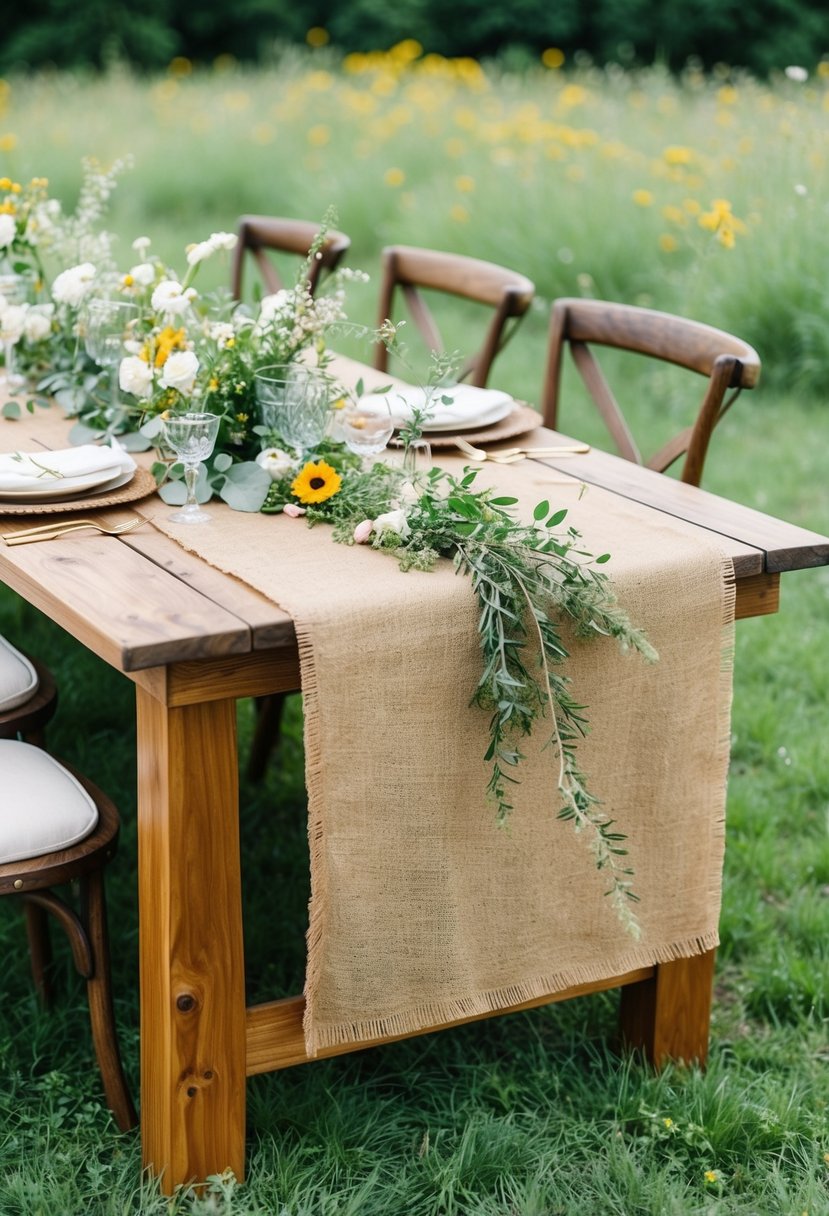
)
(412, 270)
(260, 234)
(727, 362)
(57, 828)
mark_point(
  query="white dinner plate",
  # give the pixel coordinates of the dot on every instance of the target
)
(470, 424)
(66, 487)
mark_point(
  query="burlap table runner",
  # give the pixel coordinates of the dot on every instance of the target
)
(422, 909)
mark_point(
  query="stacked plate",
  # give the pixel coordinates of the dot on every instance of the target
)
(54, 476)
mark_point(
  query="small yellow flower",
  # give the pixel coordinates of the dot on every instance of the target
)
(712, 1176)
(8, 208)
(5, 183)
(677, 155)
(459, 213)
(230, 343)
(212, 385)
(316, 482)
(668, 244)
(668, 1122)
(394, 177)
(127, 281)
(642, 198)
(8, 143)
(465, 184)
(242, 418)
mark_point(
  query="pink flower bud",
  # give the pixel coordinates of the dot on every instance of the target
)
(363, 531)
(292, 510)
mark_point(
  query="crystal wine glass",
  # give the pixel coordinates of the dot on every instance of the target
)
(14, 288)
(365, 433)
(293, 401)
(107, 328)
(192, 437)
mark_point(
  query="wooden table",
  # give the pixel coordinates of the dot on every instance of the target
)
(193, 640)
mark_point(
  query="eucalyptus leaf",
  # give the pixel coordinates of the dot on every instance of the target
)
(152, 428)
(222, 462)
(246, 487)
(11, 410)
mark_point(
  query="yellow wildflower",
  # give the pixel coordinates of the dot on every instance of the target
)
(394, 177)
(8, 208)
(8, 143)
(677, 155)
(316, 482)
(5, 183)
(465, 184)
(459, 214)
(127, 281)
(212, 384)
(712, 1176)
(727, 95)
(642, 198)
(668, 1122)
(167, 341)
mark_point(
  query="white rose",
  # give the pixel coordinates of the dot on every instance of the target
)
(276, 462)
(180, 370)
(8, 230)
(72, 285)
(135, 376)
(143, 273)
(393, 521)
(169, 297)
(38, 324)
(13, 322)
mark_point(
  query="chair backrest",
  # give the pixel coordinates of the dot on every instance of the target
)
(726, 361)
(506, 292)
(259, 234)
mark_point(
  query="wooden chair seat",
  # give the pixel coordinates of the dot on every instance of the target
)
(28, 719)
(261, 235)
(726, 361)
(411, 270)
(31, 879)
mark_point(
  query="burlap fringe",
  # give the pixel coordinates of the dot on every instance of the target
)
(434, 1016)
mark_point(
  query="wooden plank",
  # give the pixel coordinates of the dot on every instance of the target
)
(758, 595)
(191, 947)
(785, 546)
(275, 1039)
(269, 625)
(246, 675)
(122, 607)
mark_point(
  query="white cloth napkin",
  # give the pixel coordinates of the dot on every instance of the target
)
(55, 470)
(468, 406)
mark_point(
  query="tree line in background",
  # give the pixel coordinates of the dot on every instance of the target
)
(764, 36)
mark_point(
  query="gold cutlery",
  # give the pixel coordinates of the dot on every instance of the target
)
(27, 536)
(510, 455)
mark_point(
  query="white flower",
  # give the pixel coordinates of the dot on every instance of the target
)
(135, 376)
(170, 298)
(38, 323)
(796, 73)
(72, 285)
(141, 244)
(13, 322)
(143, 273)
(221, 332)
(197, 253)
(180, 370)
(393, 521)
(223, 240)
(8, 230)
(276, 462)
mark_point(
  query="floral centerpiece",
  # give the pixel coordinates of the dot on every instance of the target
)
(177, 351)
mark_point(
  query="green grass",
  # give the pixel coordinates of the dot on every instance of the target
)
(533, 1114)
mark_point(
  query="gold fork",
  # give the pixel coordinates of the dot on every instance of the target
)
(511, 455)
(50, 531)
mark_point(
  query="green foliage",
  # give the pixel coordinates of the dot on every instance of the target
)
(94, 33)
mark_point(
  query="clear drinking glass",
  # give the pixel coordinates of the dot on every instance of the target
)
(293, 402)
(364, 432)
(14, 288)
(107, 328)
(192, 438)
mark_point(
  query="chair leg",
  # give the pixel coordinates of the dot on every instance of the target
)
(101, 1012)
(266, 734)
(40, 951)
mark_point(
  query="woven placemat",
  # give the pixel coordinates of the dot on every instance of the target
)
(517, 422)
(142, 484)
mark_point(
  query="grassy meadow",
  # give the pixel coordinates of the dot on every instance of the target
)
(592, 183)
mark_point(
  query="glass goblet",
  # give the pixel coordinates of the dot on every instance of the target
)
(107, 327)
(365, 433)
(192, 438)
(294, 403)
(14, 288)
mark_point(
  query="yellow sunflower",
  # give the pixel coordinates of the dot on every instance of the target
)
(316, 482)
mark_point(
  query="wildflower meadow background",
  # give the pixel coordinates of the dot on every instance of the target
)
(701, 193)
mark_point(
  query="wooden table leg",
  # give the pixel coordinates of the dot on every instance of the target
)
(191, 948)
(668, 1016)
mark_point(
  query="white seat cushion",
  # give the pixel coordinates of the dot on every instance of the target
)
(18, 678)
(43, 808)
